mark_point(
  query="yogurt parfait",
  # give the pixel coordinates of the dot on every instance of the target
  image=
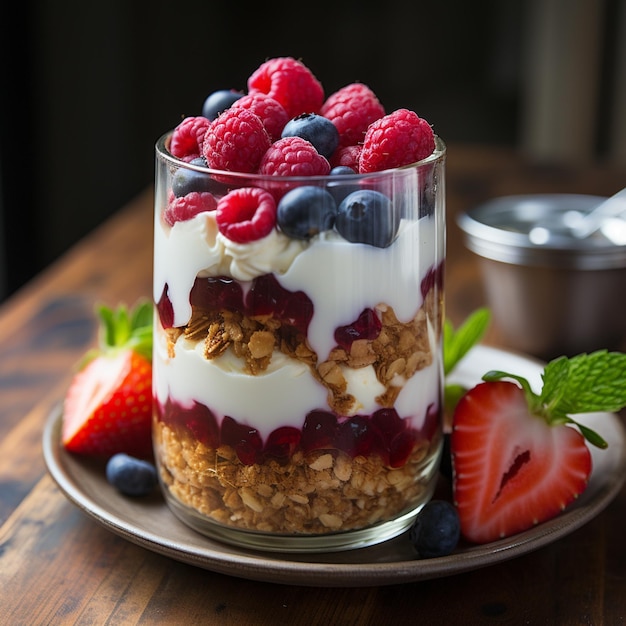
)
(299, 245)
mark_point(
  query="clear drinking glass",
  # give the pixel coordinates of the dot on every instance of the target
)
(298, 381)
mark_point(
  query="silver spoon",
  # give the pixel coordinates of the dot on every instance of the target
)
(605, 217)
(609, 217)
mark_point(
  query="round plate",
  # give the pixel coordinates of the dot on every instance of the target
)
(148, 522)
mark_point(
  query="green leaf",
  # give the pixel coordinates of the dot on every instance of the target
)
(121, 329)
(142, 315)
(451, 396)
(457, 343)
(585, 383)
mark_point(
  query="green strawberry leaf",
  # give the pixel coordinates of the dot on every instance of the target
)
(121, 329)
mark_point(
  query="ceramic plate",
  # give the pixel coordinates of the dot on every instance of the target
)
(149, 523)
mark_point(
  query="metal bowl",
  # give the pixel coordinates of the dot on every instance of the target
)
(550, 293)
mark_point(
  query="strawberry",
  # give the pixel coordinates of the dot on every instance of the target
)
(108, 406)
(518, 458)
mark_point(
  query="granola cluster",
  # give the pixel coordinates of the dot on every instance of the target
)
(316, 493)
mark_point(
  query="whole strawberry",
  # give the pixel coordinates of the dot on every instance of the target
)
(518, 458)
(108, 406)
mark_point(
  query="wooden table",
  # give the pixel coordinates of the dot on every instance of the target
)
(58, 566)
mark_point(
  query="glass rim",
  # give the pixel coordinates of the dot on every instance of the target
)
(163, 152)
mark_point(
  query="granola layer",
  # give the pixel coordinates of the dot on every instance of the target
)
(319, 492)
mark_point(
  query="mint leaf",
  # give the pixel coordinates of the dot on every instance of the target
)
(585, 383)
(457, 343)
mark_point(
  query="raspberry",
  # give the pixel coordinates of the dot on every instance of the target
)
(293, 156)
(185, 207)
(398, 139)
(246, 214)
(236, 141)
(188, 137)
(271, 112)
(347, 156)
(289, 82)
(352, 109)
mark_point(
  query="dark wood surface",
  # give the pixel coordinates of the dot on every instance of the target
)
(58, 566)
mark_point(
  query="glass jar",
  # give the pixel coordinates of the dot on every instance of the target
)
(298, 374)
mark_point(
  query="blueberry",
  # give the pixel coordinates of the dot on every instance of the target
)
(185, 180)
(131, 476)
(341, 188)
(367, 216)
(342, 170)
(436, 529)
(306, 211)
(316, 129)
(218, 102)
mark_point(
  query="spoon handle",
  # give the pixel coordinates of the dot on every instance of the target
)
(615, 206)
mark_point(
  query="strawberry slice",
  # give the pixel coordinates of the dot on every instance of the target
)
(518, 457)
(512, 470)
(108, 406)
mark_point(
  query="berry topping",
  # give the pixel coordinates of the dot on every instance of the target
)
(268, 297)
(340, 189)
(398, 139)
(165, 309)
(352, 109)
(347, 156)
(186, 207)
(282, 443)
(215, 293)
(293, 156)
(245, 440)
(202, 423)
(188, 137)
(217, 102)
(246, 214)
(367, 326)
(316, 129)
(342, 170)
(236, 141)
(306, 211)
(319, 431)
(186, 180)
(131, 476)
(355, 436)
(271, 112)
(289, 82)
(367, 216)
(436, 530)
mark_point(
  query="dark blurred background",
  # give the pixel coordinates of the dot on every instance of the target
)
(88, 87)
